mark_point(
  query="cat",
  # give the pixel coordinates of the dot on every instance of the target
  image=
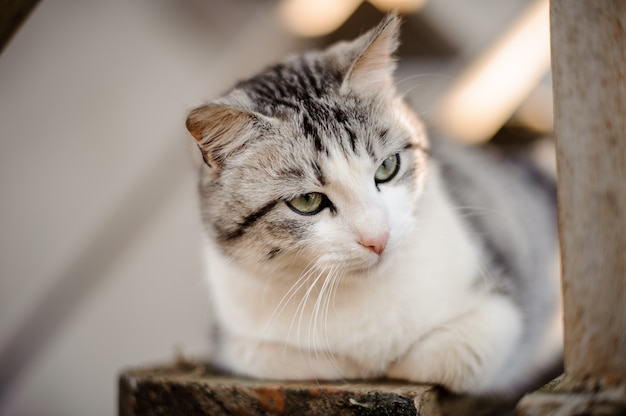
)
(343, 243)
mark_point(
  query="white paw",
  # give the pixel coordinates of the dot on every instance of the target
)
(467, 354)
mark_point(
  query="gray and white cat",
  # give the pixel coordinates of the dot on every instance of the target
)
(342, 243)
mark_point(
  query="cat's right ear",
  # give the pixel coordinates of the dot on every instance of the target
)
(220, 130)
(372, 69)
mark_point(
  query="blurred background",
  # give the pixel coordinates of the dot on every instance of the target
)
(100, 265)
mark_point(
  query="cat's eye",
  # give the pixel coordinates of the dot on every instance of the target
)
(308, 204)
(388, 169)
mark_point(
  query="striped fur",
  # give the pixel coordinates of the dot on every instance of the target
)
(437, 272)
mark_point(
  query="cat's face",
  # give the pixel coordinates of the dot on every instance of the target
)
(315, 162)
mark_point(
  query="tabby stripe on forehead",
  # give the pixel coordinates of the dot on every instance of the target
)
(311, 130)
(250, 220)
(369, 148)
(342, 118)
(319, 175)
(313, 81)
(278, 85)
(265, 93)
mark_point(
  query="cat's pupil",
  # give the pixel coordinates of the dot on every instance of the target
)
(388, 169)
(307, 204)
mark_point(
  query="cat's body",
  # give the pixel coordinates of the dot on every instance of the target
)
(342, 243)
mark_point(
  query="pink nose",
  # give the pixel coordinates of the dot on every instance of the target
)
(375, 243)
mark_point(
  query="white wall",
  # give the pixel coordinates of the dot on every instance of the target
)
(99, 230)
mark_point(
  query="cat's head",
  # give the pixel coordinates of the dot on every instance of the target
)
(315, 161)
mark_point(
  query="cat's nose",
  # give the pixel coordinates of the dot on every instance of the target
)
(375, 243)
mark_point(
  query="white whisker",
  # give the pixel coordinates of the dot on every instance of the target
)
(334, 282)
(300, 310)
(293, 289)
(424, 75)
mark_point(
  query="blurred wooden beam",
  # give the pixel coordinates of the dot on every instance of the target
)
(12, 14)
(489, 91)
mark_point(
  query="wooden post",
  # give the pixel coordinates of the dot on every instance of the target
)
(589, 78)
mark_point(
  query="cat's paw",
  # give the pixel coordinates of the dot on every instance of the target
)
(466, 355)
(278, 361)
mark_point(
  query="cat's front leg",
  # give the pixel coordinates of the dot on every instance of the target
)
(468, 354)
(274, 360)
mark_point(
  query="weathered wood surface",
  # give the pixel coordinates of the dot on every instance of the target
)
(196, 389)
(562, 397)
(589, 66)
(589, 78)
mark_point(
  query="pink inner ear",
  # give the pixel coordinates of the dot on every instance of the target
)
(375, 65)
(219, 129)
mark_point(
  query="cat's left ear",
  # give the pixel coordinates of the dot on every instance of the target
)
(372, 70)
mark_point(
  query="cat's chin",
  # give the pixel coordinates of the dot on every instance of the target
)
(363, 269)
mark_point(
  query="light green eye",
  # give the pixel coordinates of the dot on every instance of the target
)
(308, 204)
(388, 169)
